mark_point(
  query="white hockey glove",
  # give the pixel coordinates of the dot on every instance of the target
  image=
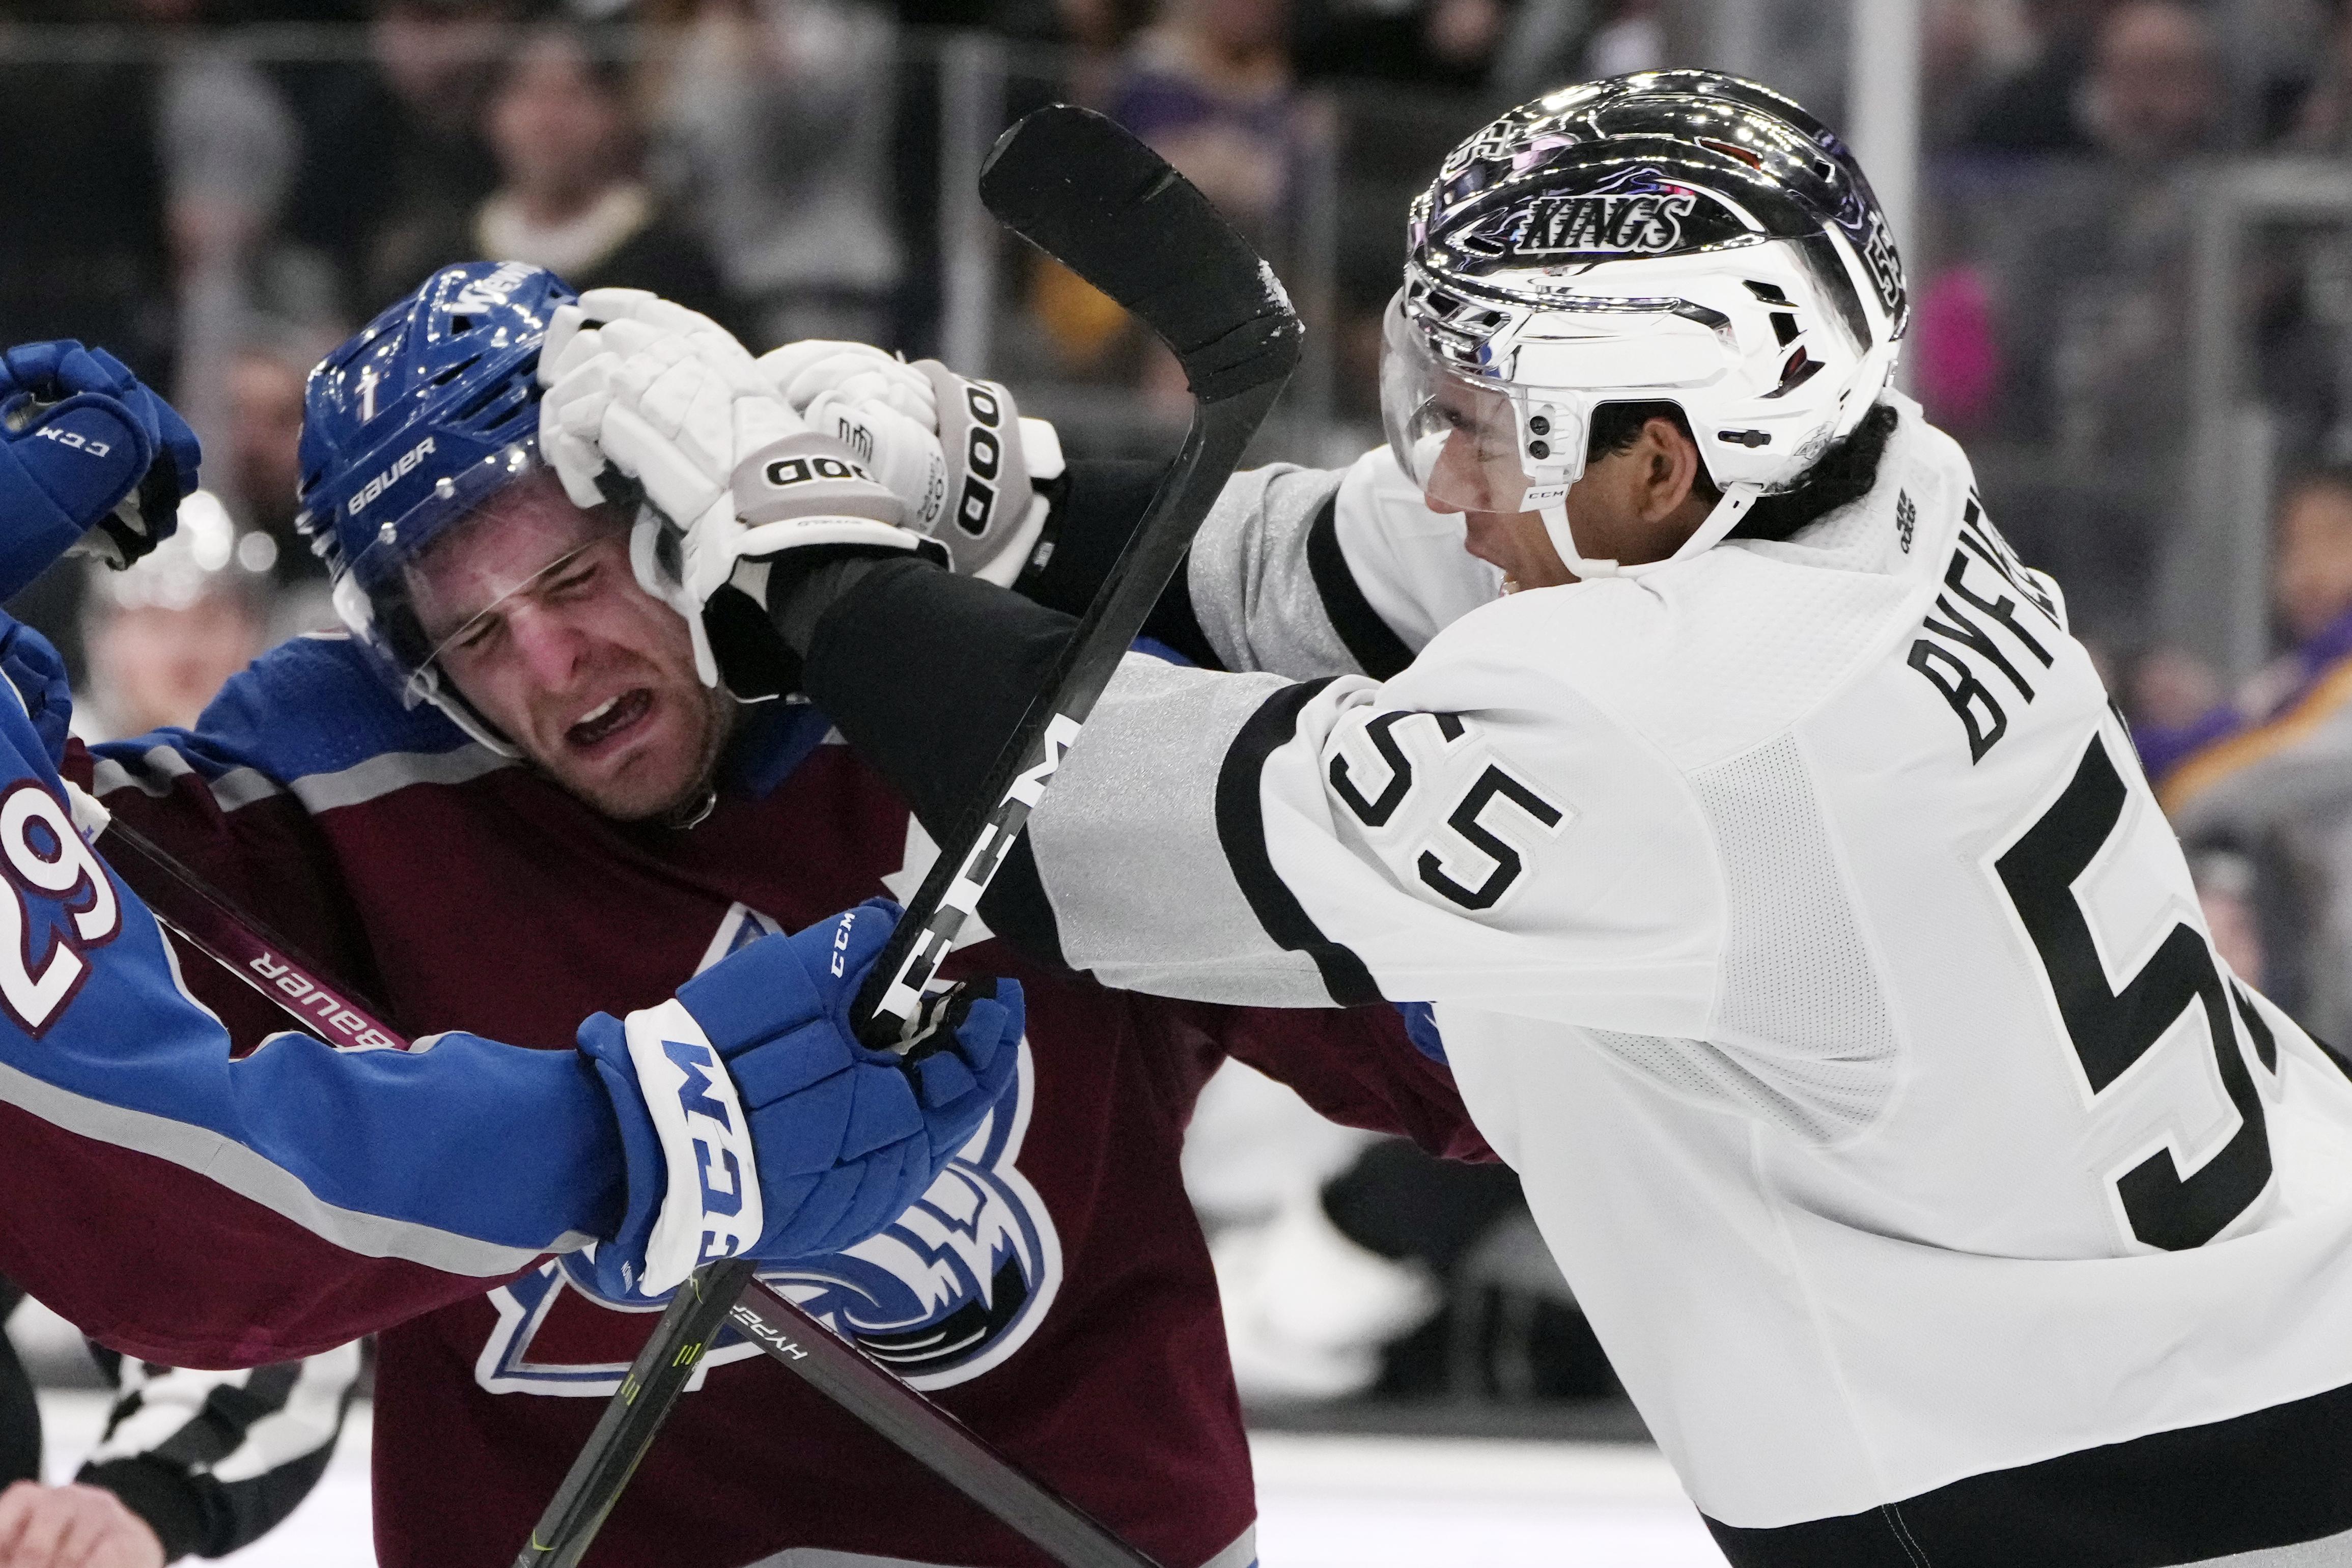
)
(798, 372)
(668, 399)
(955, 451)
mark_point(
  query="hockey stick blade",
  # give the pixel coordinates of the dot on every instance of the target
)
(1087, 193)
(1143, 235)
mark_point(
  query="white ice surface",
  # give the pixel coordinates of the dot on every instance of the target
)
(1324, 1502)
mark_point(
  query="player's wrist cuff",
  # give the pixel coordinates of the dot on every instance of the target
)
(619, 1258)
(171, 1501)
(34, 531)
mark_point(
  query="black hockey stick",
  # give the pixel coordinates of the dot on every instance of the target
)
(1098, 200)
(1093, 198)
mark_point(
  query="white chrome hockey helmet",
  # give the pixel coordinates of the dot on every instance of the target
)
(1670, 237)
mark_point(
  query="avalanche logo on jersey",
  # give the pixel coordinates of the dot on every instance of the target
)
(958, 1284)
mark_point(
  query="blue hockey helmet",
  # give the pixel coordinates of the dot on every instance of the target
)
(413, 424)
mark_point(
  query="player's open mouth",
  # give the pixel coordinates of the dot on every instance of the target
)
(609, 717)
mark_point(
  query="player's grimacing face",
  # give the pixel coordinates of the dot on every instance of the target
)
(543, 626)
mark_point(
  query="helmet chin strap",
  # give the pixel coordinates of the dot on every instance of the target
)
(655, 575)
(1720, 522)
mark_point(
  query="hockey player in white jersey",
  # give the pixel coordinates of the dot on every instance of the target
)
(1796, 917)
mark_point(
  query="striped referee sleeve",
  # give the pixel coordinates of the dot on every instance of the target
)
(214, 1460)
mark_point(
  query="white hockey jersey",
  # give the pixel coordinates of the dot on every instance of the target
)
(1801, 929)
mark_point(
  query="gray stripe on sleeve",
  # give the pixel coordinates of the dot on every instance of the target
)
(222, 1160)
(1251, 587)
(1128, 848)
(382, 775)
(158, 766)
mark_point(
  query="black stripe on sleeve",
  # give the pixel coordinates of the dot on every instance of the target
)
(1379, 650)
(1015, 907)
(1095, 506)
(185, 1511)
(1241, 829)
(171, 1485)
(229, 1412)
(2265, 1479)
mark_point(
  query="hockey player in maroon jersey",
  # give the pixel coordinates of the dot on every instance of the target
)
(183, 1206)
(512, 794)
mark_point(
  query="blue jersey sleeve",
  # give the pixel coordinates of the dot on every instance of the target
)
(194, 1210)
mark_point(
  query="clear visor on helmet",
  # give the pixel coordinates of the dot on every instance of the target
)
(446, 579)
(1474, 442)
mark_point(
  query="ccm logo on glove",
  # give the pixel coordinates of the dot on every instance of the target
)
(68, 439)
(701, 1120)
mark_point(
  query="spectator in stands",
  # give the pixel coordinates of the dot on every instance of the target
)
(2035, 110)
(2134, 80)
(1211, 88)
(391, 143)
(1499, 48)
(2272, 779)
(230, 148)
(164, 635)
(2324, 121)
(776, 116)
(570, 197)
(2154, 91)
(82, 204)
(260, 466)
(2088, 264)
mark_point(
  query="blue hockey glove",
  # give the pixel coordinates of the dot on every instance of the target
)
(804, 1143)
(84, 448)
(1420, 1028)
(33, 668)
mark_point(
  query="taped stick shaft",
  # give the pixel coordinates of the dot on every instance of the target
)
(634, 1417)
(969, 861)
(1088, 193)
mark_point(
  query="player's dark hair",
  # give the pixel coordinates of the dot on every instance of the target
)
(1846, 473)
(1615, 427)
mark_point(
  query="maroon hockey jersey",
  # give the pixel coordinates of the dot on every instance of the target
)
(1052, 1288)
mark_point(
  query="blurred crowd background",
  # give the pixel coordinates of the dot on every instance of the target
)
(2130, 256)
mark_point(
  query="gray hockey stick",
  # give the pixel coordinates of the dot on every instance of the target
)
(1098, 200)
